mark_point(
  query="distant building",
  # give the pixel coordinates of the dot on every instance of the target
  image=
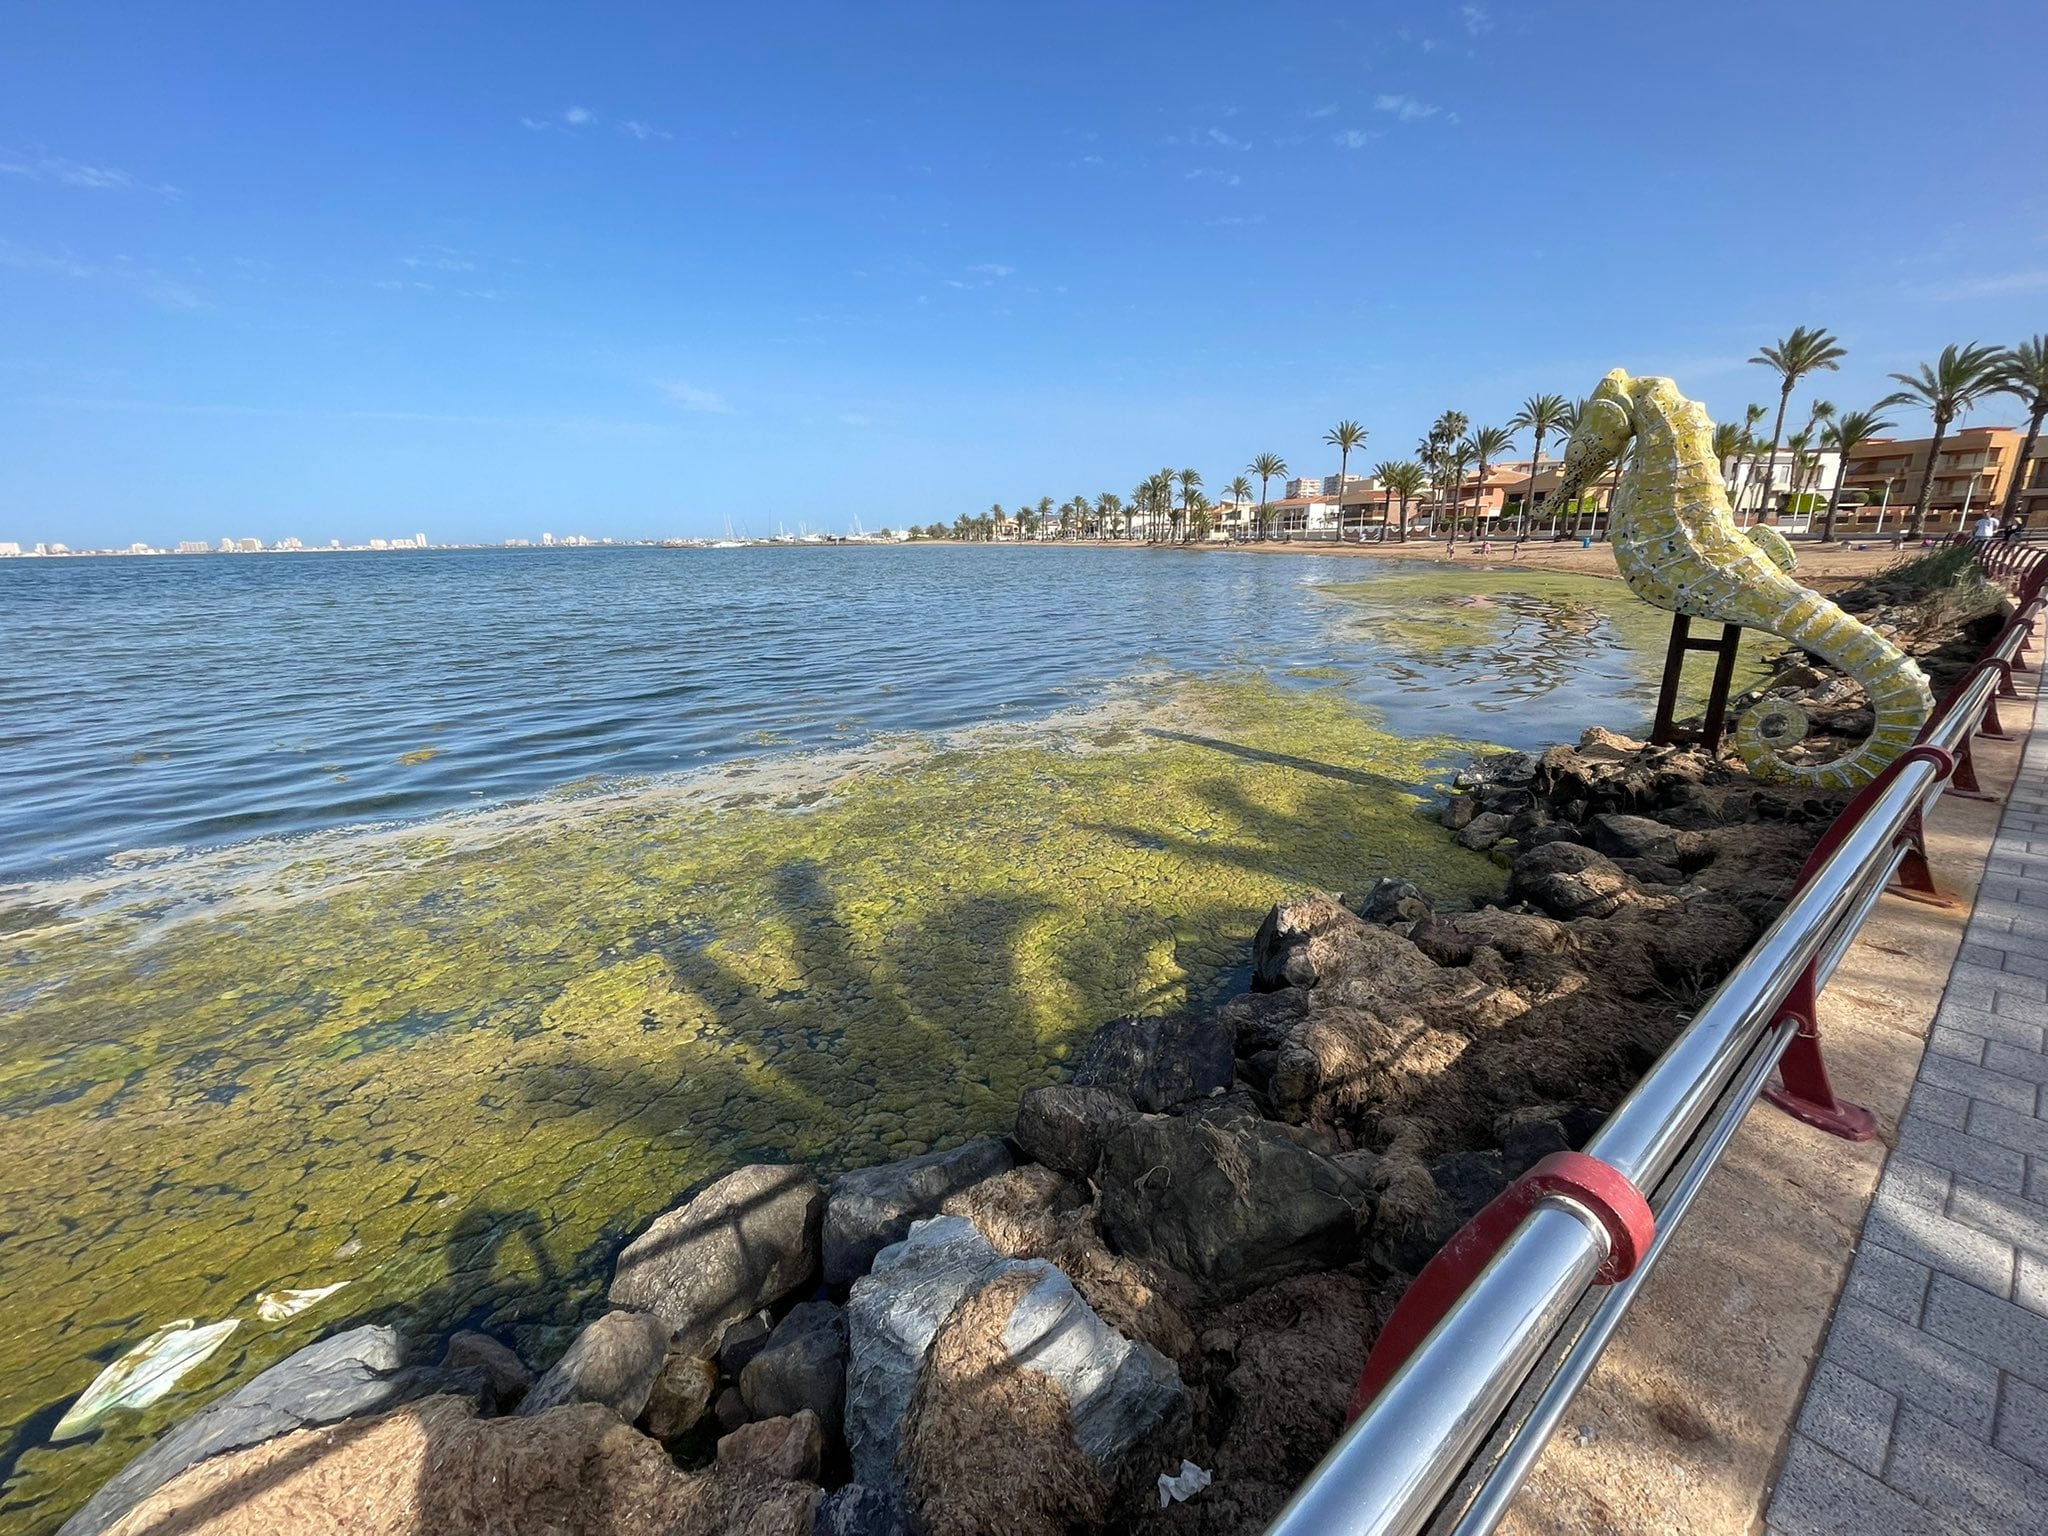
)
(547, 540)
(380, 543)
(249, 546)
(289, 543)
(9, 549)
(227, 546)
(419, 541)
(1975, 469)
(193, 546)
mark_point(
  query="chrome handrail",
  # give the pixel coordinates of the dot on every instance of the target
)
(1392, 1470)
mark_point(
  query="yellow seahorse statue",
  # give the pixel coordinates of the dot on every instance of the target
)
(1679, 549)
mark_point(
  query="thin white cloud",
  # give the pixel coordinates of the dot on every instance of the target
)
(145, 282)
(1091, 160)
(442, 260)
(59, 171)
(855, 419)
(1205, 173)
(1354, 138)
(1228, 141)
(576, 117)
(690, 397)
(643, 131)
(1996, 286)
(1406, 108)
(992, 269)
(1328, 110)
(1476, 18)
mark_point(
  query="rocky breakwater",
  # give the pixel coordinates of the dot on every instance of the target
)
(1145, 1308)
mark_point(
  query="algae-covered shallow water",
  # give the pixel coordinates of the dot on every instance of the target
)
(455, 1059)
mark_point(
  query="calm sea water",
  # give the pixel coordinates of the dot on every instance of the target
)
(188, 702)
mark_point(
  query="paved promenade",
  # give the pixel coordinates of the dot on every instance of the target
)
(1928, 1411)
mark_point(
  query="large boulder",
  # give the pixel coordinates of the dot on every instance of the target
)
(871, 1208)
(1114, 1394)
(801, 1368)
(681, 1394)
(1392, 901)
(1621, 836)
(858, 1510)
(614, 1363)
(356, 1373)
(740, 1245)
(1159, 1062)
(1299, 942)
(1062, 1125)
(1568, 880)
(1233, 1202)
(433, 1468)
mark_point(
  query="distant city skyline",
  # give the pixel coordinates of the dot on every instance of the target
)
(639, 272)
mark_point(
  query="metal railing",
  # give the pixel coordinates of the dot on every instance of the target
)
(1477, 1366)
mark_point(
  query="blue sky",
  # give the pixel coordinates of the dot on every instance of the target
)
(495, 268)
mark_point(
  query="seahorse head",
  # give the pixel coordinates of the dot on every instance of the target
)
(1606, 423)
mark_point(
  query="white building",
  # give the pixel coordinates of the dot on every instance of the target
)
(9, 549)
(1757, 488)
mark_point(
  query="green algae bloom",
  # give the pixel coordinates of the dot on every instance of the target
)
(456, 1065)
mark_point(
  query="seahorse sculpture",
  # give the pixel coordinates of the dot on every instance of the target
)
(1679, 549)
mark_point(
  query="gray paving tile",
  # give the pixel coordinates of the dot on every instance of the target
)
(1847, 1415)
(1966, 1482)
(1888, 1281)
(2023, 1424)
(1984, 1082)
(1963, 1044)
(1941, 1105)
(2015, 1218)
(1987, 1162)
(1989, 1327)
(1819, 1494)
(2030, 1283)
(2009, 1128)
(1914, 1366)
(2012, 1061)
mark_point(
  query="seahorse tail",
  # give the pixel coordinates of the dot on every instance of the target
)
(1897, 690)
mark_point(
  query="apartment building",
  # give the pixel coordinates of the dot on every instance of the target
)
(1974, 470)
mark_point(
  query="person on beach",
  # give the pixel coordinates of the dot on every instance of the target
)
(1985, 529)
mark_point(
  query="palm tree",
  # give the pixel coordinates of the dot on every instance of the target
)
(2023, 372)
(1239, 492)
(1435, 452)
(1796, 445)
(1487, 444)
(1266, 466)
(1344, 437)
(1403, 478)
(1794, 357)
(1753, 446)
(1109, 507)
(1845, 434)
(1044, 510)
(1945, 390)
(1456, 458)
(1728, 444)
(1190, 482)
(1543, 415)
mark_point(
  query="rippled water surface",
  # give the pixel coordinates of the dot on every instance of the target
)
(861, 844)
(194, 701)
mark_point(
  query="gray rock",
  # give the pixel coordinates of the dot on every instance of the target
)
(791, 1448)
(1234, 1205)
(1458, 812)
(1062, 1125)
(1484, 830)
(871, 1208)
(891, 1316)
(740, 1245)
(1157, 1063)
(730, 1410)
(803, 1365)
(505, 1375)
(614, 1362)
(858, 1510)
(1638, 837)
(352, 1374)
(1118, 1393)
(1569, 880)
(1465, 1183)
(1395, 901)
(741, 1342)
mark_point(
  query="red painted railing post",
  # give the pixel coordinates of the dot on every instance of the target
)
(1806, 1094)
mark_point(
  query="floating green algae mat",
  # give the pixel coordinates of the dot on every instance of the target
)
(456, 1064)
(1536, 622)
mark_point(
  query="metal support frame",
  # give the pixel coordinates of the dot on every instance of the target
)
(1667, 732)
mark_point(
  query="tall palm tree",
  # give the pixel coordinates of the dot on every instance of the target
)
(2023, 372)
(1845, 434)
(1344, 437)
(1728, 445)
(1543, 415)
(1239, 491)
(1044, 510)
(1190, 482)
(996, 519)
(1794, 357)
(1456, 458)
(1266, 466)
(1436, 450)
(1796, 444)
(1488, 444)
(1753, 445)
(1955, 382)
(1818, 419)
(1404, 478)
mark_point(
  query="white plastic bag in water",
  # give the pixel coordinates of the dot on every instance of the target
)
(1182, 1485)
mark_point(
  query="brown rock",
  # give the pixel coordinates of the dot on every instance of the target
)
(433, 1469)
(614, 1363)
(792, 1448)
(730, 1409)
(681, 1394)
(505, 1374)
